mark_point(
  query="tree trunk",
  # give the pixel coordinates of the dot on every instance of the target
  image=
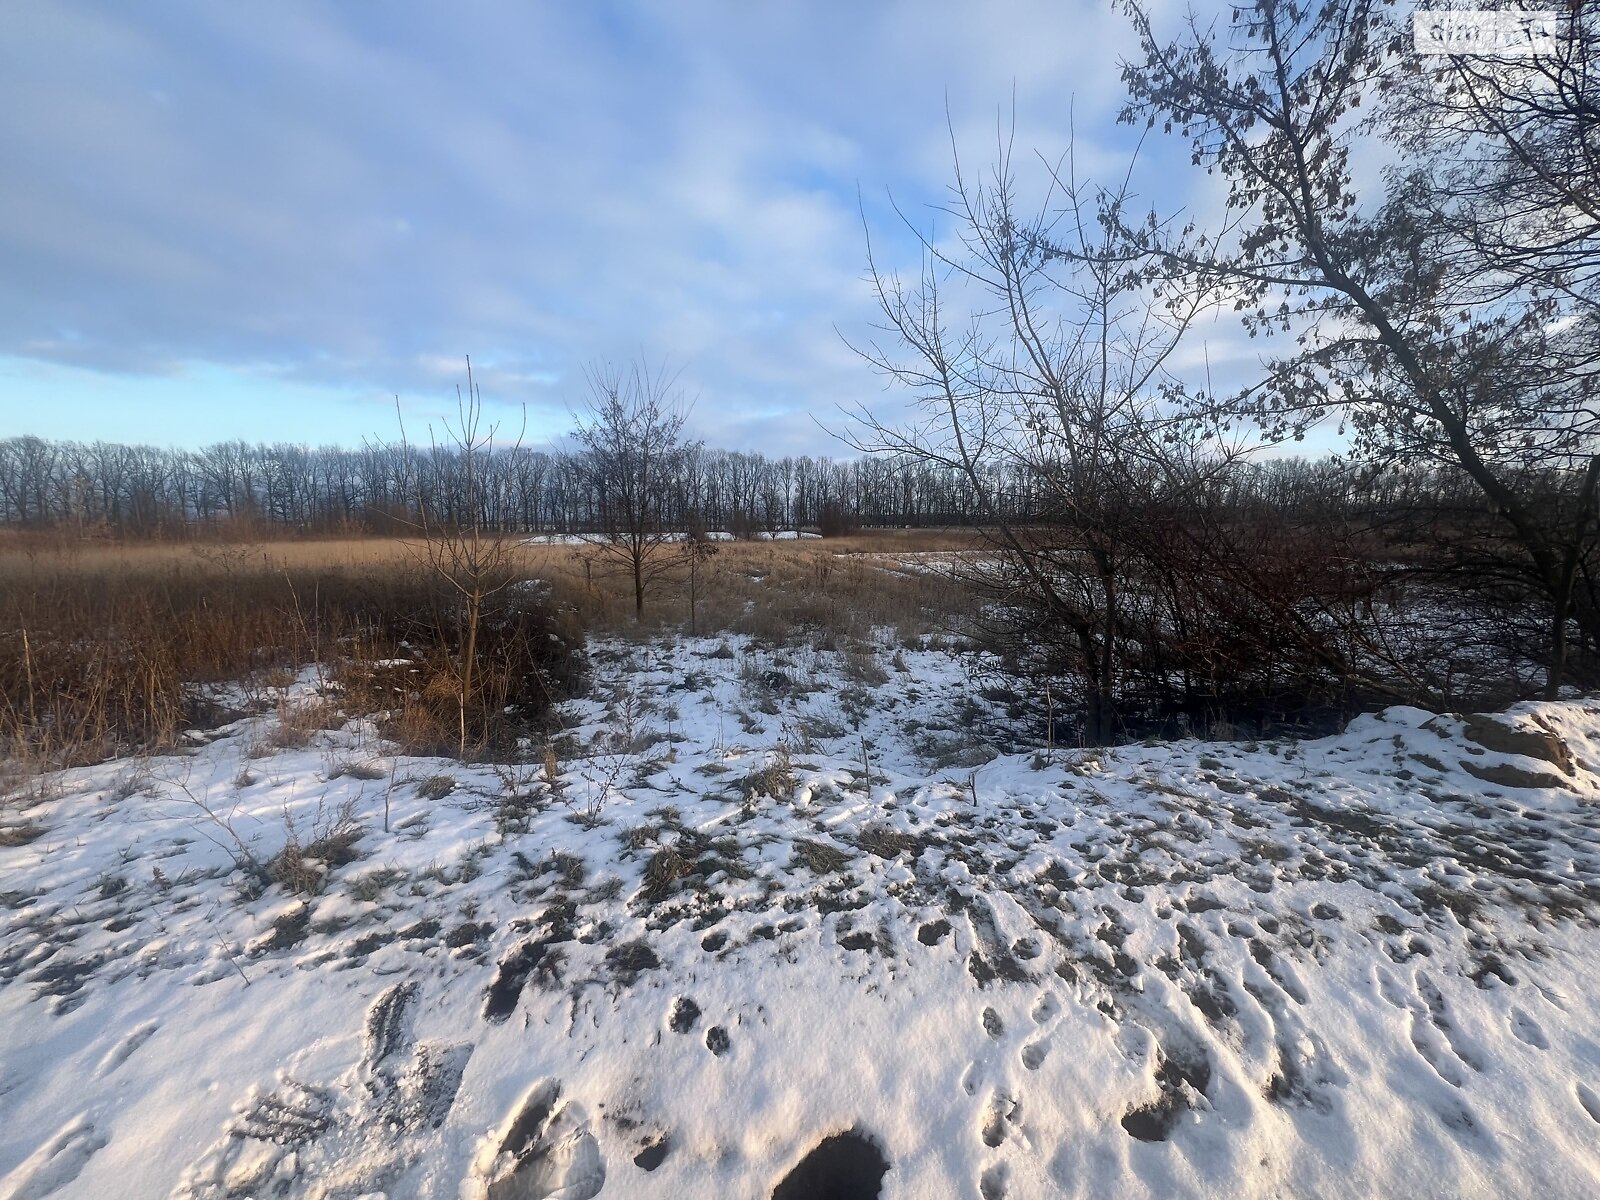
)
(469, 658)
(1099, 715)
(1564, 585)
(1106, 667)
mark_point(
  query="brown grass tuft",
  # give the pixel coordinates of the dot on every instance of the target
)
(819, 856)
(662, 873)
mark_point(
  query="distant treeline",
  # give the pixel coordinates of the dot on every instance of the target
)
(237, 487)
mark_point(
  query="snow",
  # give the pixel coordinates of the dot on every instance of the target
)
(924, 562)
(589, 539)
(770, 900)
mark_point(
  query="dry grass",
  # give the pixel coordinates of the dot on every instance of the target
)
(775, 781)
(102, 643)
(303, 865)
(820, 857)
(827, 590)
(23, 553)
(747, 587)
(883, 841)
(104, 649)
(12, 836)
(665, 868)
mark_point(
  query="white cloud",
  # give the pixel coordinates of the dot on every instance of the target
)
(358, 196)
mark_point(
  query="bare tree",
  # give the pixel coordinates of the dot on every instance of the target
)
(698, 550)
(1515, 142)
(1440, 322)
(632, 453)
(474, 560)
(1053, 370)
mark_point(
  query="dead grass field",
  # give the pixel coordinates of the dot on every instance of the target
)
(764, 588)
(101, 642)
(773, 590)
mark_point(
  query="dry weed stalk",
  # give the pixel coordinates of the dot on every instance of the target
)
(474, 560)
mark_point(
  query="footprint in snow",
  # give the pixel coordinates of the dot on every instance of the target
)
(653, 1153)
(992, 1183)
(56, 1163)
(1458, 1119)
(971, 1078)
(1035, 1052)
(386, 1025)
(1389, 988)
(1528, 1030)
(1439, 1014)
(273, 1133)
(1278, 971)
(1426, 1042)
(123, 1050)
(1590, 1102)
(685, 1012)
(1002, 1113)
(348, 1138)
(843, 1166)
(545, 1152)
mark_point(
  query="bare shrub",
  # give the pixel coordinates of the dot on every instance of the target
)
(472, 558)
(834, 520)
(303, 864)
(436, 787)
(775, 780)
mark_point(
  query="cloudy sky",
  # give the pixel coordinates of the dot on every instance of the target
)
(268, 221)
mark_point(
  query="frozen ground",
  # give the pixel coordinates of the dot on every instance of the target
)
(716, 535)
(777, 896)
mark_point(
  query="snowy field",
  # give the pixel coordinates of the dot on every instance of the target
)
(716, 535)
(770, 897)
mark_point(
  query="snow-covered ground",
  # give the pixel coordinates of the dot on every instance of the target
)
(778, 895)
(925, 562)
(715, 535)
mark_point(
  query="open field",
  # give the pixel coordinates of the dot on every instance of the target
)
(579, 620)
(772, 912)
(106, 647)
(740, 572)
(805, 901)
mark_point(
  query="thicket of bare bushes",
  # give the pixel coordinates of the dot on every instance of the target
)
(99, 662)
(1443, 310)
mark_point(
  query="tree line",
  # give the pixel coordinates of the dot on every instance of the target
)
(260, 489)
(147, 491)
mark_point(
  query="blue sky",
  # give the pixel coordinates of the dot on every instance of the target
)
(268, 221)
